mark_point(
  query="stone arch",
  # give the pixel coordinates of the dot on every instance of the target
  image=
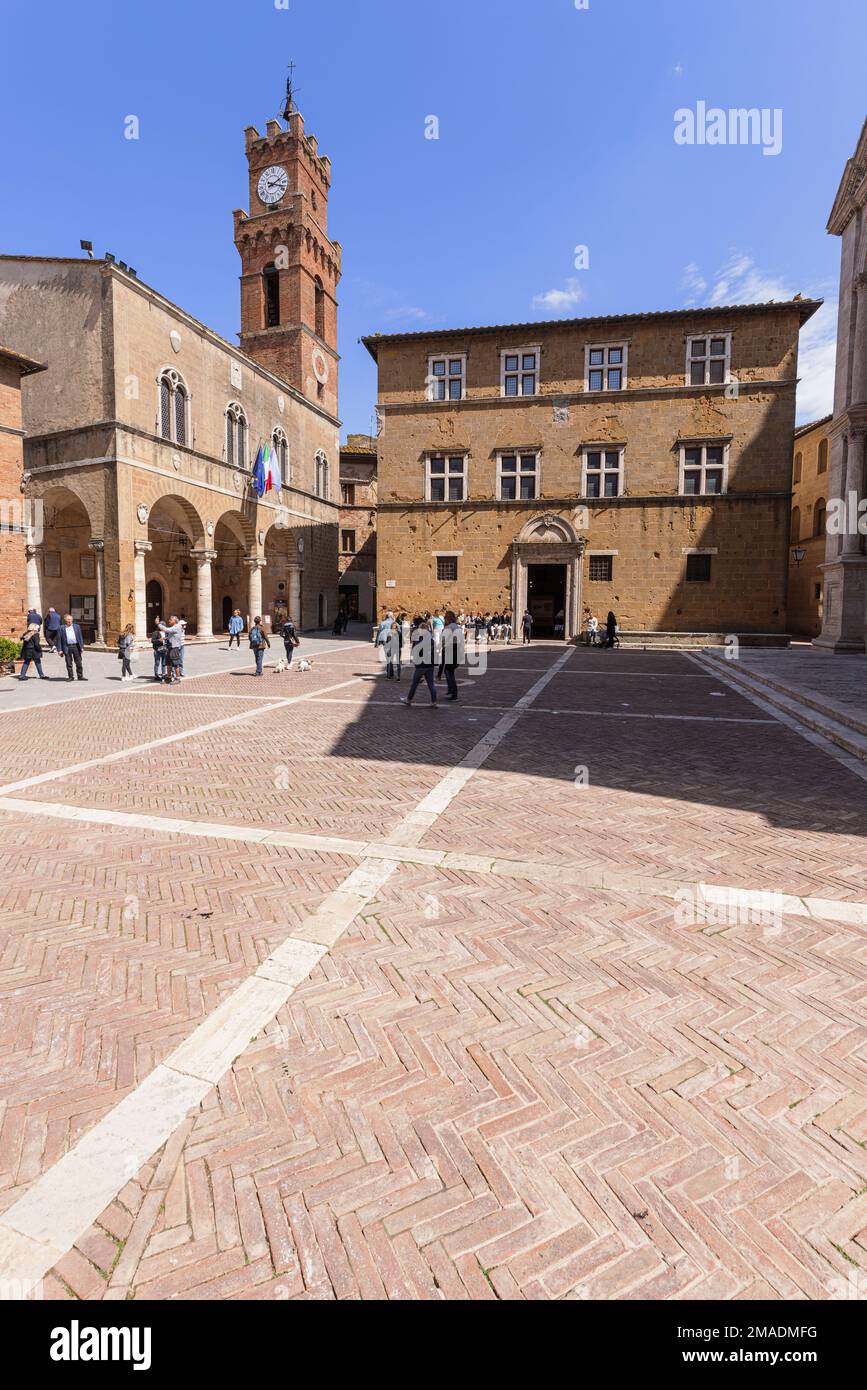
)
(63, 566)
(175, 530)
(548, 529)
(282, 588)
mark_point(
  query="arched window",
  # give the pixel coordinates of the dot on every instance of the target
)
(823, 456)
(271, 278)
(236, 436)
(796, 471)
(174, 400)
(819, 514)
(320, 308)
(321, 479)
(795, 533)
(280, 445)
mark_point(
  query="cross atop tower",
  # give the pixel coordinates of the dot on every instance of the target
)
(291, 93)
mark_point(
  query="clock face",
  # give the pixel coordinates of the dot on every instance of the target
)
(273, 184)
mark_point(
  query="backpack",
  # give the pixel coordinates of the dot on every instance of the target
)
(256, 637)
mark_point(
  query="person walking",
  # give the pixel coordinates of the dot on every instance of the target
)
(258, 643)
(161, 652)
(72, 648)
(611, 630)
(236, 627)
(31, 653)
(125, 645)
(291, 640)
(453, 653)
(393, 645)
(423, 664)
(34, 618)
(53, 624)
(527, 627)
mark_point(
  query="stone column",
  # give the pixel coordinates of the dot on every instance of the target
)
(254, 591)
(853, 482)
(98, 548)
(34, 578)
(295, 572)
(142, 548)
(204, 602)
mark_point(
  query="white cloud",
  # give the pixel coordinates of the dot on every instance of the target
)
(741, 281)
(556, 301)
(406, 311)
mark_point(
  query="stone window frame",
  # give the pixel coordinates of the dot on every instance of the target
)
(797, 468)
(450, 557)
(607, 448)
(447, 456)
(280, 443)
(521, 352)
(347, 492)
(606, 366)
(703, 468)
(517, 455)
(172, 379)
(822, 457)
(706, 556)
(708, 358)
(350, 549)
(446, 377)
(237, 440)
(597, 555)
(321, 479)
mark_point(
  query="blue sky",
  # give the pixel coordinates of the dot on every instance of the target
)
(555, 130)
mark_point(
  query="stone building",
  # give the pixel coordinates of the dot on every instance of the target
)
(143, 431)
(844, 627)
(19, 525)
(640, 463)
(809, 527)
(358, 499)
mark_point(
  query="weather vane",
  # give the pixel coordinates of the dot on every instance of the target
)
(289, 107)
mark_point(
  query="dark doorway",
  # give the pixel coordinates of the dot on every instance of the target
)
(154, 599)
(322, 611)
(228, 610)
(349, 600)
(546, 598)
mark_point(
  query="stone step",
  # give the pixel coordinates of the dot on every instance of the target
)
(846, 731)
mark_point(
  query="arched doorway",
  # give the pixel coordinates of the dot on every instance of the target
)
(68, 564)
(547, 573)
(155, 603)
(228, 610)
(175, 529)
(234, 543)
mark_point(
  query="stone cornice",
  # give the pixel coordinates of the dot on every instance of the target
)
(559, 398)
(596, 504)
(852, 193)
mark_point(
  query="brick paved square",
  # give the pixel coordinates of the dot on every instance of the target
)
(481, 1032)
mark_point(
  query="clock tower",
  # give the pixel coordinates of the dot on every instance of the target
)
(289, 267)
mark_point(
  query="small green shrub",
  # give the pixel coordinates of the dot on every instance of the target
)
(9, 650)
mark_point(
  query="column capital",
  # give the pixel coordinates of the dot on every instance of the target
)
(204, 557)
(31, 551)
(256, 564)
(97, 545)
(143, 547)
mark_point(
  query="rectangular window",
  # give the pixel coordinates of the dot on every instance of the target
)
(447, 478)
(698, 569)
(347, 542)
(446, 378)
(347, 494)
(708, 360)
(447, 569)
(603, 472)
(601, 568)
(605, 367)
(518, 477)
(519, 373)
(703, 469)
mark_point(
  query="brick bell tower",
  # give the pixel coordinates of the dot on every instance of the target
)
(289, 268)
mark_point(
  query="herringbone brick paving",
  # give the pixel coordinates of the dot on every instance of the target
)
(490, 1087)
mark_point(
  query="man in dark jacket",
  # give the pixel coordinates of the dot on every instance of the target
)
(291, 640)
(53, 624)
(72, 647)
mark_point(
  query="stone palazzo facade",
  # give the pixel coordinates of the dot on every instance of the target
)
(142, 434)
(844, 626)
(640, 463)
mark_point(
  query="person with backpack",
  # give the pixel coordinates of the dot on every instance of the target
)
(291, 640)
(161, 652)
(258, 643)
(125, 645)
(31, 653)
